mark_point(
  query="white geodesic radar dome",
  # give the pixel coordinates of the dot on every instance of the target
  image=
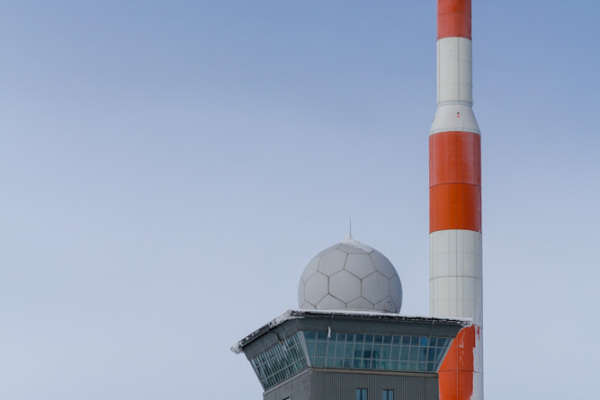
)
(350, 276)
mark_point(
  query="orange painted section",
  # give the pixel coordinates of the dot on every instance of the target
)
(455, 206)
(455, 181)
(455, 157)
(457, 371)
(454, 18)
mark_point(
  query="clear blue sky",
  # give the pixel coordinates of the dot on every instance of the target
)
(168, 168)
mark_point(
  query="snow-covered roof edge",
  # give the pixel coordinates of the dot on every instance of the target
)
(237, 348)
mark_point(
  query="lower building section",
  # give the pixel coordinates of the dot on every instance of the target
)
(316, 384)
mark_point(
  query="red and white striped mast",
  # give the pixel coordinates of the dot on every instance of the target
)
(455, 204)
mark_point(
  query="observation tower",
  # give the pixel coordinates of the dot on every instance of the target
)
(347, 340)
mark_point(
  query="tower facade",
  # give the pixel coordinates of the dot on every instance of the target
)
(455, 204)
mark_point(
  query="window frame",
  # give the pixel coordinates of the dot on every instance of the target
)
(361, 394)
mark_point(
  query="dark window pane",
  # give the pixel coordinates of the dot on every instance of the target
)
(358, 350)
(321, 348)
(422, 354)
(431, 354)
(349, 350)
(339, 349)
(361, 394)
(413, 355)
(404, 353)
(330, 349)
(279, 362)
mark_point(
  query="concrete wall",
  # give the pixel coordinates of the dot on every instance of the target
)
(316, 384)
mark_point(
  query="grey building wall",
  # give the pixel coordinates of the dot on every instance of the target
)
(315, 384)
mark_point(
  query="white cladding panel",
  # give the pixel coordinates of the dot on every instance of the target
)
(455, 253)
(455, 76)
(454, 117)
(456, 296)
(455, 274)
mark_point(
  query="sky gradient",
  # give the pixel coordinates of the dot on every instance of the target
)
(169, 169)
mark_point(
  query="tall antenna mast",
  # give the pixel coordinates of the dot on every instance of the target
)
(455, 204)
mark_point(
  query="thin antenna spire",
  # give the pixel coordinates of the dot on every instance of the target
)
(349, 237)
